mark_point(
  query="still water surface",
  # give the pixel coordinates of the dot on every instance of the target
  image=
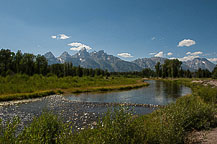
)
(81, 114)
(157, 93)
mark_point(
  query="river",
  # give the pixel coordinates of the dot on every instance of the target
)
(84, 109)
(157, 93)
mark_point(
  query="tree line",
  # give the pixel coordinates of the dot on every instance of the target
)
(170, 69)
(30, 64)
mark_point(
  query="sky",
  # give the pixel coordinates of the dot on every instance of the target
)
(129, 29)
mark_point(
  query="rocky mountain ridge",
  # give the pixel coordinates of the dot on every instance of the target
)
(112, 63)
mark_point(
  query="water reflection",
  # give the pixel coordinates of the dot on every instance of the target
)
(172, 90)
(158, 92)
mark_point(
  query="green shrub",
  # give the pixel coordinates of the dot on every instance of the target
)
(119, 127)
(171, 124)
(166, 125)
(208, 94)
(8, 131)
(46, 129)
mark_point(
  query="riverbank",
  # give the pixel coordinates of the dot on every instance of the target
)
(80, 114)
(25, 87)
(139, 84)
(206, 89)
(169, 124)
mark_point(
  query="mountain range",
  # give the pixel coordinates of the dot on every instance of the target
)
(112, 63)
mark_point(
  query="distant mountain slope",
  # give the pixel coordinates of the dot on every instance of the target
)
(112, 63)
(149, 62)
(51, 58)
(94, 60)
(202, 63)
(192, 65)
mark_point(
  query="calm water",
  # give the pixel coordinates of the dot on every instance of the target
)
(158, 93)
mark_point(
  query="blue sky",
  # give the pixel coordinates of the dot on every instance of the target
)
(128, 28)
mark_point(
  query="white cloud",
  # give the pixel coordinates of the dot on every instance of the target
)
(189, 57)
(125, 55)
(194, 53)
(153, 38)
(213, 59)
(160, 54)
(79, 46)
(53, 37)
(188, 53)
(60, 36)
(63, 36)
(186, 42)
(152, 53)
(169, 53)
(197, 53)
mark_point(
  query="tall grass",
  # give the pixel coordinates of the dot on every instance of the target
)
(172, 123)
(19, 86)
(20, 96)
(26, 84)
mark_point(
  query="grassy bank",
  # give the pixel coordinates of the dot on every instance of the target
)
(22, 86)
(20, 96)
(207, 93)
(108, 88)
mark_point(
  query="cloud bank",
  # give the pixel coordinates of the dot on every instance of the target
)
(125, 55)
(79, 46)
(186, 42)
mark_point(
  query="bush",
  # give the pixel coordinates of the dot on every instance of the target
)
(171, 124)
(119, 127)
(8, 131)
(166, 125)
(208, 94)
(46, 129)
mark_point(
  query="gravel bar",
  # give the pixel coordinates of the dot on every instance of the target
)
(81, 114)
